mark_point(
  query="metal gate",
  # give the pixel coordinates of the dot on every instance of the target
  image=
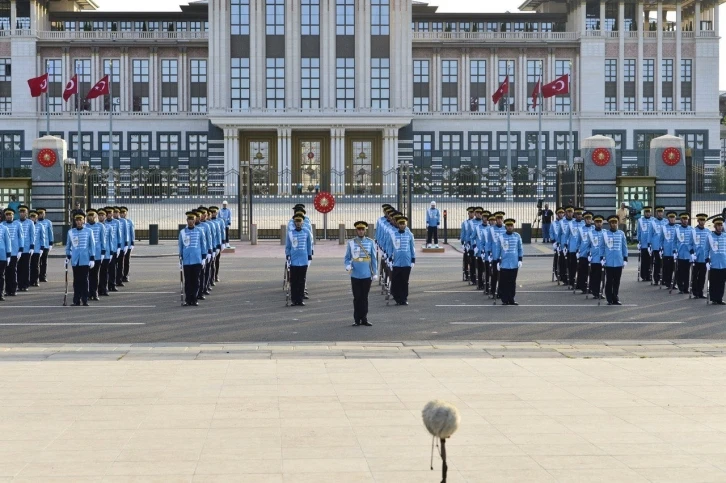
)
(77, 187)
(570, 185)
(244, 200)
(405, 190)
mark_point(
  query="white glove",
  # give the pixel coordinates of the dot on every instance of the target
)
(7, 261)
(131, 248)
(650, 251)
(50, 248)
(638, 245)
(91, 264)
(625, 264)
(577, 254)
(126, 249)
(374, 278)
(118, 252)
(565, 250)
(497, 266)
(181, 266)
(348, 268)
(209, 256)
(489, 259)
(589, 258)
(30, 252)
(519, 264)
(412, 265)
(708, 266)
(693, 258)
(309, 262)
(203, 262)
(554, 246)
(19, 254)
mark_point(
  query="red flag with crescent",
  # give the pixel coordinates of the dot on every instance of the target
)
(38, 85)
(100, 89)
(71, 88)
(561, 85)
(503, 89)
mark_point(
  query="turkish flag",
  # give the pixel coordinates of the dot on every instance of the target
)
(561, 85)
(503, 89)
(535, 94)
(38, 85)
(100, 89)
(71, 88)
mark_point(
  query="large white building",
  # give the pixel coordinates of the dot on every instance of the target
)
(335, 93)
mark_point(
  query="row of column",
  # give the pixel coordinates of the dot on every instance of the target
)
(711, 13)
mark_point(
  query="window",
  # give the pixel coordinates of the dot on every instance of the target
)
(240, 83)
(686, 84)
(275, 88)
(197, 26)
(6, 70)
(422, 26)
(82, 68)
(534, 75)
(648, 85)
(667, 84)
(480, 141)
(69, 26)
(112, 67)
(140, 71)
(6, 104)
(420, 85)
(199, 104)
(380, 17)
(362, 167)
(562, 141)
(437, 26)
(345, 83)
(464, 26)
(562, 102)
(310, 83)
(420, 71)
(11, 141)
(504, 69)
(345, 17)
(449, 104)
(611, 84)
(169, 70)
(87, 140)
(643, 138)
(180, 26)
(275, 17)
(139, 142)
(423, 143)
(380, 83)
(694, 140)
(199, 70)
(478, 85)
(310, 17)
(450, 142)
(169, 104)
(55, 76)
(531, 141)
(240, 17)
(629, 85)
(513, 141)
(449, 70)
(116, 142)
(169, 142)
(420, 104)
(196, 142)
(617, 136)
(198, 85)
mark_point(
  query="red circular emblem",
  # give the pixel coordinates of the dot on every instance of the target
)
(324, 202)
(601, 156)
(671, 156)
(311, 155)
(47, 157)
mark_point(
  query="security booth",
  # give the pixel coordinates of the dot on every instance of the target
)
(630, 189)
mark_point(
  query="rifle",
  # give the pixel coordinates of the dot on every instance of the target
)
(602, 284)
(708, 284)
(675, 273)
(690, 281)
(65, 296)
(181, 280)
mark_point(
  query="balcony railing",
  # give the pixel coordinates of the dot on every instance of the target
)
(298, 112)
(106, 35)
(650, 113)
(479, 36)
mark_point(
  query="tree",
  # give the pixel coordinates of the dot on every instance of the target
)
(718, 180)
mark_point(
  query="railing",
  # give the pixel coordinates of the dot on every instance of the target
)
(650, 113)
(650, 34)
(106, 35)
(687, 35)
(120, 115)
(497, 114)
(294, 111)
(474, 36)
(707, 33)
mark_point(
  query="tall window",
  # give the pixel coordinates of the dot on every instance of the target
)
(345, 17)
(611, 84)
(275, 17)
(686, 84)
(310, 17)
(534, 74)
(345, 83)
(504, 69)
(169, 142)
(240, 83)
(116, 142)
(648, 85)
(563, 102)
(380, 83)
(380, 17)
(310, 83)
(629, 85)
(169, 85)
(275, 91)
(140, 69)
(478, 85)
(6, 102)
(139, 142)
(198, 85)
(423, 143)
(55, 84)
(480, 141)
(112, 67)
(83, 70)
(449, 85)
(240, 17)
(196, 142)
(667, 88)
(420, 85)
(450, 142)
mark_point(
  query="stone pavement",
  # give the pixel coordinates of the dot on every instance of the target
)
(121, 413)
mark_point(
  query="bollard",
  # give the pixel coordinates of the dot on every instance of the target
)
(341, 234)
(526, 233)
(153, 234)
(253, 234)
(283, 234)
(446, 229)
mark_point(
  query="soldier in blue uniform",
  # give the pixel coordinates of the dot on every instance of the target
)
(573, 241)
(433, 220)
(114, 247)
(582, 250)
(106, 258)
(99, 241)
(217, 221)
(482, 238)
(17, 242)
(50, 240)
(669, 247)
(226, 215)
(471, 232)
(565, 276)
(686, 252)
(644, 229)
(404, 259)
(509, 262)
(555, 233)
(28, 249)
(656, 244)
(130, 237)
(208, 257)
(6, 247)
(615, 258)
(299, 254)
(361, 263)
(192, 256)
(123, 241)
(496, 231)
(40, 244)
(700, 243)
(464, 239)
(716, 261)
(80, 252)
(595, 255)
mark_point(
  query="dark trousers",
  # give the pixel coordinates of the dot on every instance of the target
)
(472, 267)
(361, 287)
(201, 280)
(699, 278)
(11, 276)
(480, 274)
(44, 265)
(571, 267)
(191, 282)
(127, 257)
(582, 269)
(120, 268)
(668, 267)
(80, 284)
(103, 278)
(645, 264)
(684, 275)
(112, 272)
(546, 232)
(507, 284)
(399, 283)
(297, 283)
(556, 265)
(24, 271)
(465, 265)
(93, 279)
(595, 279)
(34, 268)
(2, 276)
(207, 273)
(495, 277)
(612, 283)
(657, 267)
(226, 234)
(216, 266)
(716, 280)
(563, 268)
(432, 231)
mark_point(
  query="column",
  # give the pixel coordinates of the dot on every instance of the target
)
(33, 15)
(639, 60)
(231, 150)
(435, 85)
(602, 15)
(659, 60)
(337, 162)
(491, 79)
(125, 79)
(621, 53)
(549, 104)
(677, 66)
(360, 72)
(296, 82)
(327, 55)
(13, 14)
(522, 105)
(184, 80)
(96, 74)
(464, 87)
(153, 86)
(390, 149)
(697, 18)
(715, 18)
(284, 159)
(257, 54)
(583, 16)
(290, 42)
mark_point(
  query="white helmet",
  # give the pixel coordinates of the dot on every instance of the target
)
(224, 202)
(433, 203)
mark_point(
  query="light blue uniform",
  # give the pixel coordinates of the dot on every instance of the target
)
(684, 236)
(433, 217)
(112, 237)
(670, 239)
(299, 247)
(510, 250)
(565, 232)
(362, 264)
(555, 231)
(192, 246)
(80, 247)
(472, 231)
(482, 240)
(48, 225)
(28, 235)
(226, 215)
(123, 237)
(6, 245)
(494, 244)
(656, 234)
(716, 250)
(700, 242)
(615, 248)
(464, 236)
(583, 246)
(644, 229)
(130, 231)
(17, 241)
(207, 236)
(595, 245)
(404, 252)
(40, 236)
(99, 239)
(573, 242)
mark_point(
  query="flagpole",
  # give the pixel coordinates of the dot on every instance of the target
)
(78, 108)
(47, 103)
(111, 193)
(572, 141)
(540, 190)
(509, 145)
